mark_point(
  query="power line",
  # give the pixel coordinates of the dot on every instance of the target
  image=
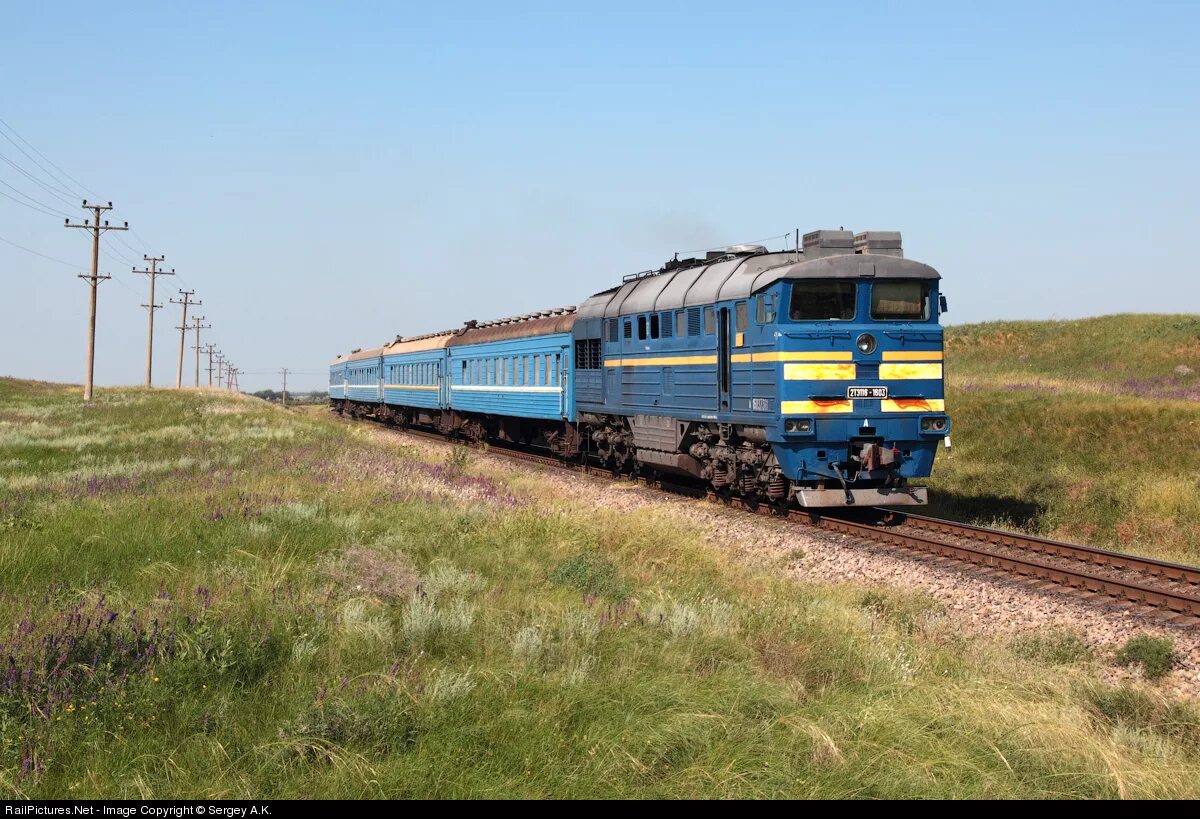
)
(39, 206)
(80, 185)
(129, 246)
(114, 256)
(36, 253)
(722, 247)
(60, 181)
(55, 192)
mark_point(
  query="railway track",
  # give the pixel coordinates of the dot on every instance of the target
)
(1095, 575)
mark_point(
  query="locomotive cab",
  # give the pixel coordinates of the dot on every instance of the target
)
(860, 372)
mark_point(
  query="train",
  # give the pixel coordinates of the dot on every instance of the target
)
(811, 377)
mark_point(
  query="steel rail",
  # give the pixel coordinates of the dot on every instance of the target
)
(1056, 548)
(1126, 590)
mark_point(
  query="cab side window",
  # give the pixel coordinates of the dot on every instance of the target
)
(741, 315)
(765, 308)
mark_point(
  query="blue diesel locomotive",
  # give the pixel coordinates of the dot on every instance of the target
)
(813, 377)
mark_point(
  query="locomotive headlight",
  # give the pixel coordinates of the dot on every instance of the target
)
(798, 425)
(935, 423)
(866, 344)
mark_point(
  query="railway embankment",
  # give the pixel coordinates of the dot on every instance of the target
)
(1077, 430)
(204, 595)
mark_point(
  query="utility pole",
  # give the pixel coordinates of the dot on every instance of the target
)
(183, 328)
(94, 225)
(210, 349)
(220, 369)
(198, 327)
(285, 372)
(233, 374)
(153, 273)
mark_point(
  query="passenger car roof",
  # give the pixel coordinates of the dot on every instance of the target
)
(559, 321)
(419, 344)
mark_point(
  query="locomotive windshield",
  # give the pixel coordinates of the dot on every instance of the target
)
(900, 301)
(822, 300)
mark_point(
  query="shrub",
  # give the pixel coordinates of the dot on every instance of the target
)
(593, 574)
(904, 611)
(380, 721)
(527, 645)
(458, 459)
(1156, 655)
(1053, 646)
(1142, 712)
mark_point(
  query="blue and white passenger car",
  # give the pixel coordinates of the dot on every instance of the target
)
(414, 375)
(362, 379)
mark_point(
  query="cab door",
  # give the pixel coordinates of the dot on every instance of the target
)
(724, 358)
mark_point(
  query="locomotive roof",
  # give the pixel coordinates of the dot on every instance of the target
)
(739, 277)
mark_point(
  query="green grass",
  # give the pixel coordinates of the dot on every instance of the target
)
(206, 596)
(1077, 430)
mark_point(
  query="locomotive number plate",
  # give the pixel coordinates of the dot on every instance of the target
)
(866, 392)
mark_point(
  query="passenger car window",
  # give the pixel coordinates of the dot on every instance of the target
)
(823, 300)
(900, 300)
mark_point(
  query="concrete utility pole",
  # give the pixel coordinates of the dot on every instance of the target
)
(183, 328)
(233, 382)
(285, 372)
(153, 273)
(220, 369)
(94, 225)
(198, 327)
(210, 349)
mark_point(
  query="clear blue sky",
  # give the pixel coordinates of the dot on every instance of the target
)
(327, 178)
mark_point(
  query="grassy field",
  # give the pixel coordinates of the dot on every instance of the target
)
(205, 596)
(1082, 430)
